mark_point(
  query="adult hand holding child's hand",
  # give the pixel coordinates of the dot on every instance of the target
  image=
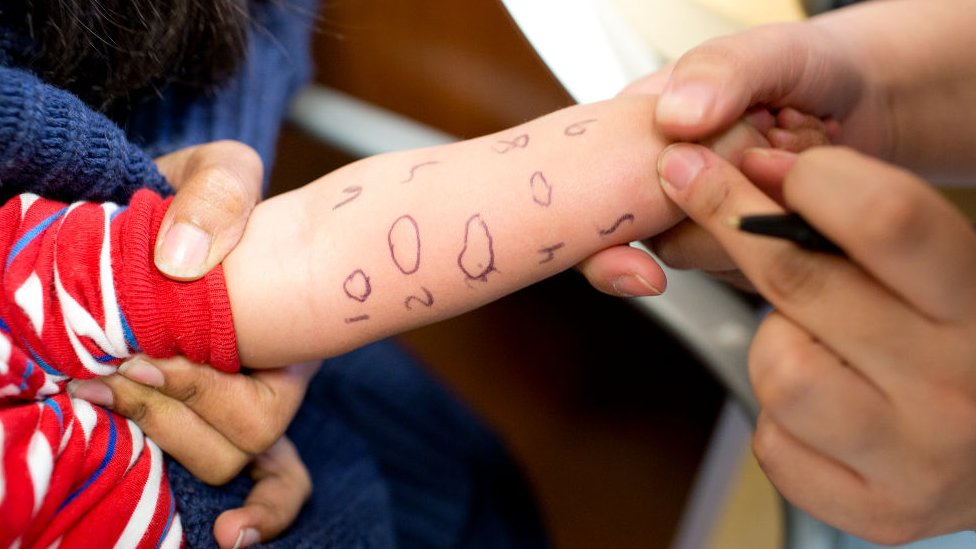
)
(709, 89)
(192, 411)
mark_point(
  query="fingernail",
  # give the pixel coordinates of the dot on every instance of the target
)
(140, 371)
(184, 250)
(91, 390)
(634, 285)
(679, 165)
(685, 105)
(247, 538)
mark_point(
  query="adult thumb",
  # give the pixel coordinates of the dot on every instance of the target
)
(788, 64)
(217, 185)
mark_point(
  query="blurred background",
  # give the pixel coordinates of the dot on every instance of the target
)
(609, 416)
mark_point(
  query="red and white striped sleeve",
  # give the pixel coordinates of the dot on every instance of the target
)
(78, 295)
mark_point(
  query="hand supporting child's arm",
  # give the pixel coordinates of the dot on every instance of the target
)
(402, 240)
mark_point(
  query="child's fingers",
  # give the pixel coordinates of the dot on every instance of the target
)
(742, 136)
(796, 140)
(797, 132)
(791, 119)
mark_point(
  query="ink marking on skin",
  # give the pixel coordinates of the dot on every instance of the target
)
(541, 190)
(520, 142)
(579, 128)
(550, 252)
(426, 301)
(477, 258)
(357, 286)
(404, 240)
(355, 191)
(359, 318)
(414, 169)
(616, 225)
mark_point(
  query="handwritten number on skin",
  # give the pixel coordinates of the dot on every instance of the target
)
(550, 252)
(404, 241)
(520, 142)
(579, 128)
(413, 170)
(477, 258)
(426, 301)
(355, 191)
(616, 224)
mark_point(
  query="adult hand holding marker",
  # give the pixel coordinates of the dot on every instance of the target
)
(884, 84)
(866, 369)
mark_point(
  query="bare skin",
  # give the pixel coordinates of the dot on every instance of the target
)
(524, 212)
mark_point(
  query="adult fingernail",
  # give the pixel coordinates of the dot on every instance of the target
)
(91, 390)
(634, 285)
(685, 105)
(246, 538)
(184, 250)
(140, 371)
(679, 165)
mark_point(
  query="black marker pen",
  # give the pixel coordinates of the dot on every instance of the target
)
(789, 226)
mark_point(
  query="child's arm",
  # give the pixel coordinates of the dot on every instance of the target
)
(405, 239)
(381, 246)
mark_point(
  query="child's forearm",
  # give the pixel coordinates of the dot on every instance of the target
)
(406, 239)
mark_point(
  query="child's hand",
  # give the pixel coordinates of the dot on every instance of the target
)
(688, 245)
(217, 186)
(865, 370)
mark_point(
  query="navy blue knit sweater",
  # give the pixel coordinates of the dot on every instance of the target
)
(52, 144)
(395, 459)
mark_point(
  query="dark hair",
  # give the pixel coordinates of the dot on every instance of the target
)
(114, 52)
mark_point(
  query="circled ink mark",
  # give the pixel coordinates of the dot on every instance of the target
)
(519, 142)
(426, 301)
(357, 286)
(550, 252)
(404, 241)
(616, 225)
(359, 318)
(541, 189)
(477, 258)
(414, 169)
(355, 191)
(578, 128)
